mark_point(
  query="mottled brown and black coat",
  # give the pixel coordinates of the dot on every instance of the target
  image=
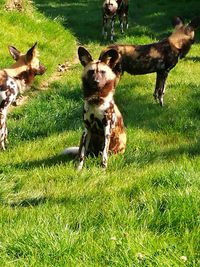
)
(14, 80)
(159, 57)
(104, 128)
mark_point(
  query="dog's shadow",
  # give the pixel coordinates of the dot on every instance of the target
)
(194, 59)
(59, 159)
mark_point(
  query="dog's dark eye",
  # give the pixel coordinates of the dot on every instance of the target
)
(102, 72)
(90, 72)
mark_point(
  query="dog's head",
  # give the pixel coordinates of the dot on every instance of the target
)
(98, 74)
(183, 36)
(27, 66)
(110, 7)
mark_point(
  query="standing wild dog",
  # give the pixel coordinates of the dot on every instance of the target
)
(14, 80)
(104, 128)
(122, 12)
(112, 8)
(158, 57)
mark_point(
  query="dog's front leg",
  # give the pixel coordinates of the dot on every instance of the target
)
(104, 27)
(107, 134)
(121, 23)
(160, 86)
(112, 28)
(3, 128)
(84, 143)
(126, 18)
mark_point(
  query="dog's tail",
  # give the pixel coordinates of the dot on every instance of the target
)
(71, 151)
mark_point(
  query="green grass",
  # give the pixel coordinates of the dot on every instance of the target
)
(22, 30)
(144, 210)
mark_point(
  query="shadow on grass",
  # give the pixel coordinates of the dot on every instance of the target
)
(142, 111)
(84, 17)
(147, 158)
(42, 200)
(29, 202)
(194, 59)
(48, 162)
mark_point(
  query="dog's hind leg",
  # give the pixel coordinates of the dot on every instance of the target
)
(160, 86)
(84, 143)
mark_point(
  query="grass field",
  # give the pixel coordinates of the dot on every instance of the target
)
(144, 210)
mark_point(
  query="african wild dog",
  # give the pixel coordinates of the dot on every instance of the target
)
(122, 12)
(104, 128)
(14, 80)
(112, 8)
(158, 57)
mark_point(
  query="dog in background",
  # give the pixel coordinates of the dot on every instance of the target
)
(14, 80)
(122, 12)
(158, 57)
(112, 8)
(104, 128)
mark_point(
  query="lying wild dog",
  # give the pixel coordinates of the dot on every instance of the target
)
(14, 80)
(104, 128)
(158, 57)
(112, 8)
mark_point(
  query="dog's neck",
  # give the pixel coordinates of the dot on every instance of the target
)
(96, 100)
(98, 96)
(21, 76)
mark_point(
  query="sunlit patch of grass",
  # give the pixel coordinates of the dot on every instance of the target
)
(144, 209)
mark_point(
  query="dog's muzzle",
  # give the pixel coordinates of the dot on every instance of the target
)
(41, 70)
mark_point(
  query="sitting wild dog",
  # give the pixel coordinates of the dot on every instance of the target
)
(14, 80)
(158, 57)
(104, 128)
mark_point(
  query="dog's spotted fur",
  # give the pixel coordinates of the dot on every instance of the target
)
(14, 80)
(104, 129)
(158, 57)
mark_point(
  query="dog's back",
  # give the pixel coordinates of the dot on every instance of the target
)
(159, 56)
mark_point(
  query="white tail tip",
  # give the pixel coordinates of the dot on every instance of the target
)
(71, 150)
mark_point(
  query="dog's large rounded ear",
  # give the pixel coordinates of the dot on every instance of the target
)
(110, 57)
(30, 53)
(177, 22)
(14, 52)
(84, 56)
(194, 23)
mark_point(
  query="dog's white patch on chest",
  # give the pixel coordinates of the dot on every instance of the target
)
(93, 111)
(97, 111)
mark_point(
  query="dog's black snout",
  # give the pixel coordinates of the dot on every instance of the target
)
(42, 69)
